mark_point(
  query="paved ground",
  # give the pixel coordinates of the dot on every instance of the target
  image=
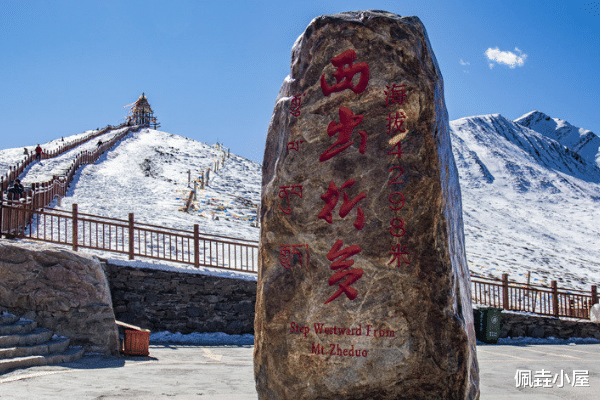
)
(224, 372)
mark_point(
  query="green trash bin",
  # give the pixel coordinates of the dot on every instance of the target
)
(488, 323)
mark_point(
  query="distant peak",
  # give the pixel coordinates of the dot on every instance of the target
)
(533, 116)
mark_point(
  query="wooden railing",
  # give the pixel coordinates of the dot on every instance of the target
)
(40, 195)
(544, 300)
(17, 169)
(21, 219)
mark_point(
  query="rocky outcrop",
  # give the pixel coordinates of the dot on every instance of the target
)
(64, 292)
(363, 289)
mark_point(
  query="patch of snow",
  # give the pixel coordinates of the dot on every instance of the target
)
(202, 339)
(551, 340)
(177, 267)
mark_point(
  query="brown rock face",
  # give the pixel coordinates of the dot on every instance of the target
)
(363, 289)
(61, 291)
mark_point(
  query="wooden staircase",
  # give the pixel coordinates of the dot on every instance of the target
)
(23, 344)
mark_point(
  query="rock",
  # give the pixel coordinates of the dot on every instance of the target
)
(62, 291)
(363, 288)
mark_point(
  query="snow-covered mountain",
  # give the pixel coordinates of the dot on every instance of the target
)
(529, 203)
(582, 141)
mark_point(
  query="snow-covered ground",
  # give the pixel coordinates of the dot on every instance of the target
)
(202, 339)
(529, 203)
(10, 157)
(223, 339)
(147, 174)
(44, 170)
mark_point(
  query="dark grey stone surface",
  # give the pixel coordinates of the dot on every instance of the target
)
(181, 302)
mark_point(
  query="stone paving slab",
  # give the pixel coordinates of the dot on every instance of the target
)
(499, 364)
(226, 373)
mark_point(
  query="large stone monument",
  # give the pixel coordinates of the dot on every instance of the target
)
(363, 287)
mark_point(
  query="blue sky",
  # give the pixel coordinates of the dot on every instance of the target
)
(212, 70)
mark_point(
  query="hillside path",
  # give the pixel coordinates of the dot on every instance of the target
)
(44, 170)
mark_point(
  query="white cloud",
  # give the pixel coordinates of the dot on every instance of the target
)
(464, 62)
(506, 57)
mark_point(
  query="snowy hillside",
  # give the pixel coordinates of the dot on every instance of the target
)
(583, 142)
(46, 169)
(147, 174)
(529, 203)
(10, 157)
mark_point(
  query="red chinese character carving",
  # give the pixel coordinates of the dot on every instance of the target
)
(396, 94)
(399, 255)
(331, 198)
(344, 129)
(294, 145)
(296, 104)
(395, 123)
(342, 265)
(343, 75)
(285, 192)
(286, 254)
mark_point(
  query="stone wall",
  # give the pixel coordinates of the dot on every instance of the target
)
(522, 324)
(181, 302)
(187, 302)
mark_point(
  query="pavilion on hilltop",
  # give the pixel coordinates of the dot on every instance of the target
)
(141, 113)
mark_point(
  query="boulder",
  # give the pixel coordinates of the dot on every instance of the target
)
(65, 292)
(363, 287)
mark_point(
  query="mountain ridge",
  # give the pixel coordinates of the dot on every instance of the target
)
(528, 203)
(582, 141)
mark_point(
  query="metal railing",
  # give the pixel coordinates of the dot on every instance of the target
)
(538, 299)
(21, 219)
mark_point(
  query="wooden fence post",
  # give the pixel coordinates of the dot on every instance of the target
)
(594, 294)
(1, 211)
(131, 247)
(505, 303)
(34, 201)
(74, 230)
(196, 246)
(554, 287)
